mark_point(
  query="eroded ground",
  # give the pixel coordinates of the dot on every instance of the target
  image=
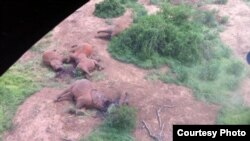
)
(38, 118)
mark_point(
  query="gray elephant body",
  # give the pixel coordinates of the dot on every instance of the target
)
(84, 94)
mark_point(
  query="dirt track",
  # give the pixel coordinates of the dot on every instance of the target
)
(41, 119)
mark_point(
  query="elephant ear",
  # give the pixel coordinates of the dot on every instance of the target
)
(99, 100)
(96, 98)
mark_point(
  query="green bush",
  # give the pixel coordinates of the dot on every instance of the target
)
(209, 72)
(118, 125)
(109, 9)
(187, 40)
(180, 73)
(116, 8)
(207, 18)
(156, 37)
(122, 118)
(235, 68)
(138, 10)
(232, 84)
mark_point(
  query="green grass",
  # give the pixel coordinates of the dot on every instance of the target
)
(187, 40)
(23, 79)
(14, 88)
(118, 125)
(104, 134)
(109, 9)
(210, 82)
(139, 10)
(234, 114)
(116, 8)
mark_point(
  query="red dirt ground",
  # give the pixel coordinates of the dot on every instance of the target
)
(38, 118)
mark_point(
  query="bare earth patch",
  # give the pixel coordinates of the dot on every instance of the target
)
(38, 118)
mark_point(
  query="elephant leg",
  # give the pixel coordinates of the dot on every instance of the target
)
(104, 37)
(85, 70)
(79, 104)
(64, 96)
(105, 31)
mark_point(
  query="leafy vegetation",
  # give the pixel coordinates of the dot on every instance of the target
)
(151, 41)
(116, 8)
(235, 114)
(183, 38)
(118, 125)
(109, 9)
(14, 88)
(22, 80)
(139, 10)
(187, 41)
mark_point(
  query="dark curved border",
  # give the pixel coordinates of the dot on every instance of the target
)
(24, 22)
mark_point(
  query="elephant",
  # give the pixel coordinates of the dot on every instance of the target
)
(85, 48)
(85, 95)
(120, 24)
(53, 59)
(111, 31)
(82, 62)
(88, 65)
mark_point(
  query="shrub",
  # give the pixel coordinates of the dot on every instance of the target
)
(122, 119)
(232, 84)
(157, 37)
(180, 72)
(188, 42)
(207, 18)
(209, 72)
(235, 68)
(118, 125)
(109, 9)
(138, 10)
